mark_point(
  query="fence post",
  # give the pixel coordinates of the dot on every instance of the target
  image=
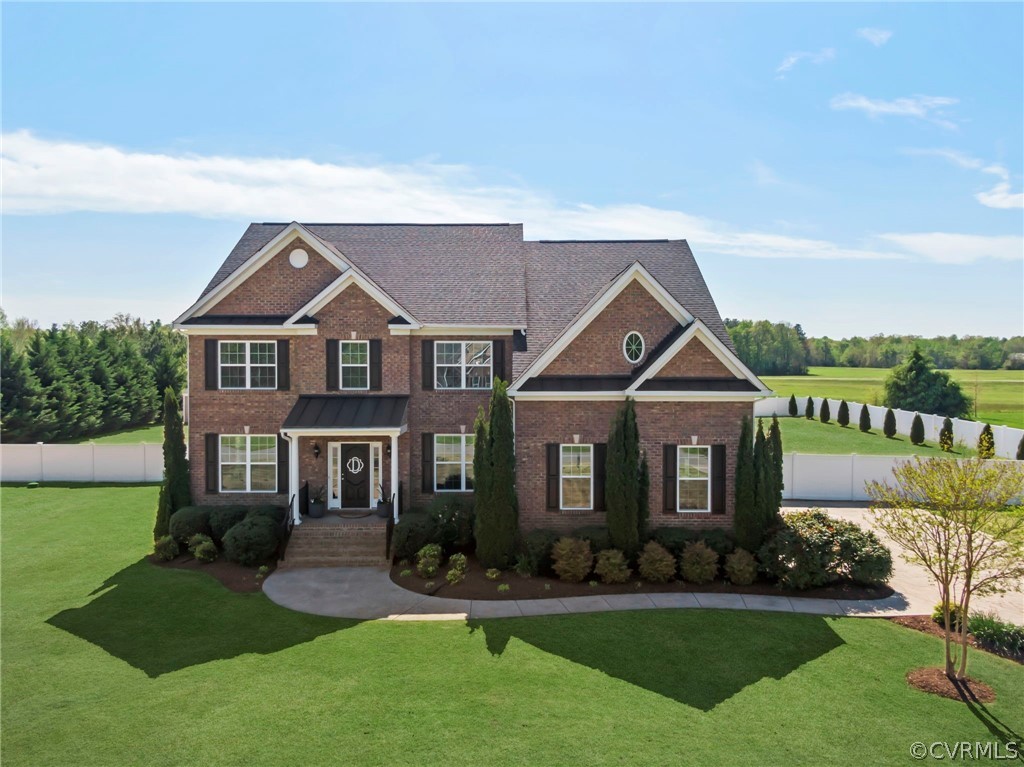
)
(853, 471)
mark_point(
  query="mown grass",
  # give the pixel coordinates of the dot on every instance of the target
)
(111, 661)
(800, 435)
(999, 394)
(133, 436)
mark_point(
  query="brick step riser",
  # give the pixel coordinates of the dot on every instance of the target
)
(322, 562)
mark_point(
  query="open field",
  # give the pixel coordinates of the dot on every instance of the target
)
(109, 660)
(800, 435)
(999, 393)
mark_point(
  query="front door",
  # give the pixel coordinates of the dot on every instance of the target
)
(355, 475)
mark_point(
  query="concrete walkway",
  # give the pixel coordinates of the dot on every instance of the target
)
(369, 594)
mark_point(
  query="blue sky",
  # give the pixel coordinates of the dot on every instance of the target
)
(854, 168)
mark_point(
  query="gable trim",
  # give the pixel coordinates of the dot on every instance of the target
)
(332, 291)
(261, 257)
(635, 272)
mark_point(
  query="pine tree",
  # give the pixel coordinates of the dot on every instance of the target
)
(792, 406)
(21, 396)
(889, 425)
(917, 430)
(747, 524)
(986, 443)
(764, 493)
(643, 508)
(843, 417)
(497, 522)
(865, 419)
(826, 411)
(622, 480)
(59, 407)
(946, 436)
(809, 409)
(775, 444)
(915, 385)
(175, 492)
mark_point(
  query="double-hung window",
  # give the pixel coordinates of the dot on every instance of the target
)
(694, 492)
(248, 463)
(355, 364)
(453, 462)
(248, 364)
(463, 364)
(576, 477)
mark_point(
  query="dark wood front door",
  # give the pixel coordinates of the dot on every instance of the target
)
(355, 476)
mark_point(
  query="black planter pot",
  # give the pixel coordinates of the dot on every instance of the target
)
(316, 510)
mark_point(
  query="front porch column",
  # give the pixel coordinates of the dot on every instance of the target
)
(394, 475)
(293, 479)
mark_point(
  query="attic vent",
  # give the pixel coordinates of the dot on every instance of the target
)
(298, 258)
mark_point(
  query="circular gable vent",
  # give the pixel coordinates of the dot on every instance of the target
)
(298, 258)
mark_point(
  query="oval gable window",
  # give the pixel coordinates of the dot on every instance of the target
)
(633, 347)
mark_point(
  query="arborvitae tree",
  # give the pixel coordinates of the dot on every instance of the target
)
(498, 522)
(775, 446)
(843, 417)
(986, 443)
(1020, 449)
(917, 430)
(643, 508)
(747, 522)
(916, 385)
(622, 481)
(481, 465)
(809, 409)
(175, 492)
(946, 436)
(792, 407)
(865, 419)
(21, 396)
(826, 411)
(889, 425)
(764, 490)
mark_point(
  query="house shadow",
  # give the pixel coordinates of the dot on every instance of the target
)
(697, 657)
(159, 620)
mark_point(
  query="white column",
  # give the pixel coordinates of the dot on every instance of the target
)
(394, 475)
(293, 478)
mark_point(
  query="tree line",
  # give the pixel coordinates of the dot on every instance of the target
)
(782, 349)
(74, 381)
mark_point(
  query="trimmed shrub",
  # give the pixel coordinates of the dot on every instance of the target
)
(674, 538)
(428, 560)
(946, 436)
(889, 424)
(826, 411)
(452, 519)
(719, 540)
(274, 513)
(573, 559)
(166, 548)
(597, 536)
(792, 406)
(843, 416)
(611, 566)
(188, 521)
(1020, 449)
(699, 564)
(492, 573)
(206, 551)
(917, 430)
(656, 564)
(223, 518)
(196, 541)
(809, 409)
(865, 418)
(537, 545)
(252, 541)
(865, 559)
(954, 616)
(986, 443)
(741, 567)
(415, 529)
(996, 634)
(457, 566)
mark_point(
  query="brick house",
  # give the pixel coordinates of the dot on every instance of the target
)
(355, 357)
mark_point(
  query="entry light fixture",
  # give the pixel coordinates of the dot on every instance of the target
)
(316, 450)
(387, 449)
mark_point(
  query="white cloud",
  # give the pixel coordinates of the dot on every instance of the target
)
(42, 177)
(791, 60)
(764, 175)
(946, 248)
(998, 196)
(927, 108)
(877, 37)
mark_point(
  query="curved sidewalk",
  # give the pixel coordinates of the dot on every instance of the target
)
(366, 593)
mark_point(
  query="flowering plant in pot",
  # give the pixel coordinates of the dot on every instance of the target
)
(316, 501)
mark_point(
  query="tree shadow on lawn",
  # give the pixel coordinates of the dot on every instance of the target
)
(696, 657)
(161, 620)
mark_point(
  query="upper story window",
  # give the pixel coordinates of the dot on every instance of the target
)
(694, 479)
(248, 364)
(576, 477)
(355, 364)
(633, 347)
(463, 364)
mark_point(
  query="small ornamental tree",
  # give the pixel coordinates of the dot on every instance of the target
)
(775, 448)
(622, 481)
(889, 425)
(809, 409)
(843, 417)
(946, 436)
(174, 492)
(986, 443)
(826, 411)
(865, 419)
(747, 524)
(792, 406)
(497, 520)
(917, 430)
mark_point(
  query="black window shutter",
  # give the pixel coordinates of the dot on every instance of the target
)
(669, 478)
(375, 364)
(600, 459)
(282, 464)
(718, 479)
(498, 358)
(427, 466)
(212, 463)
(553, 472)
(428, 365)
(212, 371)
(333, 370)
(284, 381)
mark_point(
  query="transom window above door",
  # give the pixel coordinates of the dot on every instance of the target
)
(355, 364)
(463, 364)
(248, 364)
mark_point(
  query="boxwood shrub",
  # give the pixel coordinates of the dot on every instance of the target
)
(188, 521)
(537, 545)
(596, 535)
(573, 559)
(252, 541)
(673, 538)
(223, 518)
(415, 529)
(275, 513)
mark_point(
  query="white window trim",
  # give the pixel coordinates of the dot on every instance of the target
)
(643, 347)
(247, 365)
(461, 462)
(679, 453)
(342, 365)
(464, 366)
(248, 463)
(562, 477)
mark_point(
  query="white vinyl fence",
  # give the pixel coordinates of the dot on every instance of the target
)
(81, 463)
(1006, 437)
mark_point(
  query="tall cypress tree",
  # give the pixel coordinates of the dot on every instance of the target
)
(792, 406)
(826, 411)
(481, 463)
(843, 417)
(775, 444)
(622, 480)
(643, 506)
(917, 430)
(889, 425)
(764, 493)
(497, 522)
(809, 409)
(747, 523)
(175, 492)
(865, 419)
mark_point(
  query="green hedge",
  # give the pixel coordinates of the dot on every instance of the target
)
(253, 541)
(189, 521)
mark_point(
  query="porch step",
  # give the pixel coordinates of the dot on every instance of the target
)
(335, 542)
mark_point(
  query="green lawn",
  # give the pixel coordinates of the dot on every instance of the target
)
(110, 661)
(800, 435)
(133, 436)
(999, 393)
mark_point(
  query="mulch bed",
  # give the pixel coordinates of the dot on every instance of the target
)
(477, 586)
(926, 625)
(233, 577)
(935, 681)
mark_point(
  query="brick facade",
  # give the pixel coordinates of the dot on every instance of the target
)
(694, 360)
